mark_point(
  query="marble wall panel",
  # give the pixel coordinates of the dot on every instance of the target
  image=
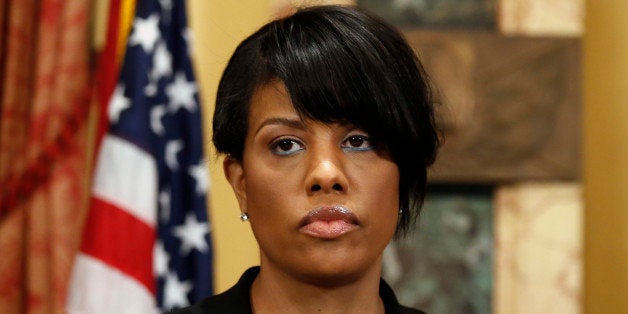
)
(510, 106)
(541, 17)
(538, 248)
(477, 14)
(445, 266)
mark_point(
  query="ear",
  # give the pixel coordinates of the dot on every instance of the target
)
(235, 175)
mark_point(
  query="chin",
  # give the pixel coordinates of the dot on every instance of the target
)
(329, 278)
(326, 263)
(333, 271)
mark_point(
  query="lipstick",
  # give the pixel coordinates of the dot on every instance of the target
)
(328, 222)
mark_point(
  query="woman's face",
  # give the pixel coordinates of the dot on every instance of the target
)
(321, 199)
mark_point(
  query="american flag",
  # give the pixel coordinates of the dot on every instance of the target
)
(146, 243)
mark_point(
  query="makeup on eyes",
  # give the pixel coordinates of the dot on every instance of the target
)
(357, 142)
(288, 136)
(285, 146)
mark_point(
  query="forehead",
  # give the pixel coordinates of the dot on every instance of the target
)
(270, 100)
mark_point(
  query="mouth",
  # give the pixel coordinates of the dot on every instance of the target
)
(328, 222)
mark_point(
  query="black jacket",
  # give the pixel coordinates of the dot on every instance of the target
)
(236, 300)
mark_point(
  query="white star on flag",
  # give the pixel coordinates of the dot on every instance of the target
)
(172, 149)
(166, 8)
(192, 234)
(145, 32)
(166, 4)
(155, 119)
(164, 203)
(162, 67)
(189, 38)
(118, 103)
(160, 259)
(175, 292)
(162, 62)
(199, 173)
(151, 89)
(181, 93)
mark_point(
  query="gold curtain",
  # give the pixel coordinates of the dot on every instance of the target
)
(44, 155)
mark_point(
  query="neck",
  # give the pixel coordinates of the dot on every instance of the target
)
(275, 291)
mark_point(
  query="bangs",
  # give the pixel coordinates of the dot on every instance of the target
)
(333, 74)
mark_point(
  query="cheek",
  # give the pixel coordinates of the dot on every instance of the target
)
(383, 186)
(270, 192)
(383, 178)
(273, 209)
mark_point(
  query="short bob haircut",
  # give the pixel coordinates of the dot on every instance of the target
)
(339, 64)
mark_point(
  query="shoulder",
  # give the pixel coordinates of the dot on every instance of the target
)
(408, 310)
(235, 300)
(390, 301)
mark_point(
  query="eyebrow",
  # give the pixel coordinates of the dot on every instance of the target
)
(293, 123)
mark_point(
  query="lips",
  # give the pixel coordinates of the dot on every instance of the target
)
(328, 222)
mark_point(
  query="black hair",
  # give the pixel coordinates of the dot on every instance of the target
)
(339, 64)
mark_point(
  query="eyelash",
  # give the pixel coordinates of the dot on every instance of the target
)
(359, 137)
(276, 145)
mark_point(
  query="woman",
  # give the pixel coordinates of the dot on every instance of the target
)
(328, 128)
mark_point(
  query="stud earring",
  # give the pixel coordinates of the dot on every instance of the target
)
(244, 217)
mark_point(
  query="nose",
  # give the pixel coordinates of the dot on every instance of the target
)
(326, 172)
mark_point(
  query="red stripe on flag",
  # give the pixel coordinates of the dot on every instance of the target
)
(120, 240)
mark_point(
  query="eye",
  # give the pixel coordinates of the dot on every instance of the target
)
(357, 142)
(286, 146)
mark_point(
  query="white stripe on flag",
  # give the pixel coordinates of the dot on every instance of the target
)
(126, 176)
(98, 288)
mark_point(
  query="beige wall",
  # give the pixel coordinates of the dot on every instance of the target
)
(218, 26)
(606, 156)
